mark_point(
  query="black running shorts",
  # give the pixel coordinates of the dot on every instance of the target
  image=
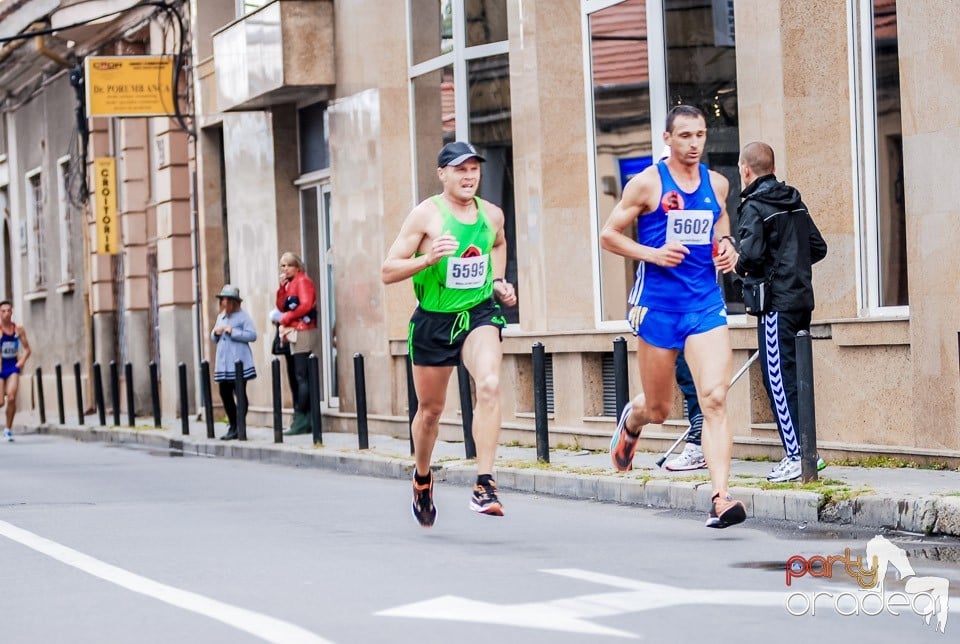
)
(435, 339)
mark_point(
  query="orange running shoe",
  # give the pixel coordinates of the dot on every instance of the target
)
(623, 445)
(725, 511)
(424, 511)
(485, 499)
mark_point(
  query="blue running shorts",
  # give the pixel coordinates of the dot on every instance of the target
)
(669, 330)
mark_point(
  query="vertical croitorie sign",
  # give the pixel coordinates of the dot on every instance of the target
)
(108, 226)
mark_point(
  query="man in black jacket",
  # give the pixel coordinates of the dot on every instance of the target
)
(779, 243)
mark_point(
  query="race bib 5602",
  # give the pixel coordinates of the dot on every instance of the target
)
(689, 227)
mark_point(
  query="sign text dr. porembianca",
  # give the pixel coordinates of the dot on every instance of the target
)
(105, 198)
(129, 85)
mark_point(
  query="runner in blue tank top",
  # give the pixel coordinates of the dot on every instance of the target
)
(14, 351)
(684, 238)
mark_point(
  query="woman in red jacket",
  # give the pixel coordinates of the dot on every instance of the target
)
(296, 315)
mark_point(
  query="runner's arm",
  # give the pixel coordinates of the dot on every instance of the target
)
(727, 256)
(401, 261)
(498, 258)
(25, 347)
(635, 202)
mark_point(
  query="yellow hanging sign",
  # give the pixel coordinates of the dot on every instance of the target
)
(105, 198)
(129, 85)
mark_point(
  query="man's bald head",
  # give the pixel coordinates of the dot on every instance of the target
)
(758, 156)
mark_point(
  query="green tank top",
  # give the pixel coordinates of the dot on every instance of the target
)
(465, 279)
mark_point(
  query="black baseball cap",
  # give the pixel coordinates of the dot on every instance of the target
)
(456, 153)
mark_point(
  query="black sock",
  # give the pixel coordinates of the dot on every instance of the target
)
(485, 479)
(421, 480)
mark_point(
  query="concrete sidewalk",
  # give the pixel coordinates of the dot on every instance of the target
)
(913, 500)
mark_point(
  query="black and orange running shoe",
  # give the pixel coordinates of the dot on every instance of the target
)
(725, 511)
(485, 499)
(623, 445)
(424, 511)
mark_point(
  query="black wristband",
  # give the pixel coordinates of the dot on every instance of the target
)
(497, 279)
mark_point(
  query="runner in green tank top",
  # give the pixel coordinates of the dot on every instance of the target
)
(453, 247)
(462, 280)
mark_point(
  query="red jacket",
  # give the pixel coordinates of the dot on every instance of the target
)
(304, 315)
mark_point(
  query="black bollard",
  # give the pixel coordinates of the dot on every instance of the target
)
(79, 389)
(98, 394)
(207, 396)
(540, 402)
(359, 380)
(466, 411)
(313, 379)
(240, 387)
(620, 376)
(115, 392)
(59, 372)
(805, 408)
(128, 383)
(412, 403)
(155, 393)
(43, 408)
(277, 401)
(184, 403)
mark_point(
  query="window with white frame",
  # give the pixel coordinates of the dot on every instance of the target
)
(36, 235)
(66, 223)
(249, 6)
(878, 147)
(643, 57)
(460, 88)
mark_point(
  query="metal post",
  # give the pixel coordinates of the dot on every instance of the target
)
(115, 392)
(206, 396)
(466, 411)
(316, 418)
(412, 402)
(277, 401)
(59, 372)
(540, 402)
(239, 386)
(79, 388)
(621, 377)
(128, 383)
(805, 408)
(98, 394)
(184, 403)
(43, 408)
(155, 393)
(359, 380)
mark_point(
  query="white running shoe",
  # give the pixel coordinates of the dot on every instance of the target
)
(691, 458)
(8, 436)
(786, 470)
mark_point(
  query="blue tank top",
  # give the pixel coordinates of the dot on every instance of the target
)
(687, 217)
(9, 352)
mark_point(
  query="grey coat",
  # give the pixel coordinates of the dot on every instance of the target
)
(234, 346)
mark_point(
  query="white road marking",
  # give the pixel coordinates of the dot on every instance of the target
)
(263, 626)
(570, 614)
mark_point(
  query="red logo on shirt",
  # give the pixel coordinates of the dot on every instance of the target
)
(472, 251)
(672, 200)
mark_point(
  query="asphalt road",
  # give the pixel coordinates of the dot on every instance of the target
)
(107, 544)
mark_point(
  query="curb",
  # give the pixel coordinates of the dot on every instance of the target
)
(929, 515)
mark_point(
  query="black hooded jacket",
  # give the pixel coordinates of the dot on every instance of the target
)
(779, 242)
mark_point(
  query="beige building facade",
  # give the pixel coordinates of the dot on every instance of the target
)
(317, 127)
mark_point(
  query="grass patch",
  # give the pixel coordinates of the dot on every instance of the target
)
(889, 462)
(756, 459)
